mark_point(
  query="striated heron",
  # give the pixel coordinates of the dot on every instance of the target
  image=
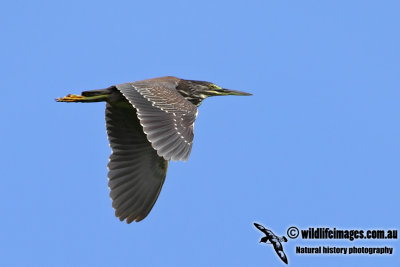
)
(148, 123)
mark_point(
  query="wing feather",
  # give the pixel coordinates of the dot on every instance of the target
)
(281, 253)
(136, 173)
(166, 116)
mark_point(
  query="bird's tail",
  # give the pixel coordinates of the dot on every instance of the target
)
(88, 96)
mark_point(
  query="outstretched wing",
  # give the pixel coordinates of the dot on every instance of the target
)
(136, 173)
(279, 250)
(166, 116)
(261, 228)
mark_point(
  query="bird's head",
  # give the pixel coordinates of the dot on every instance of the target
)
(197, 91)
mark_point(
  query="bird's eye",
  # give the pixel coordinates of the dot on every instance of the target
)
(214, 86)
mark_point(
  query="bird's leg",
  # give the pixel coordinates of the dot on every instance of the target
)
(80, 98)
(70, 98)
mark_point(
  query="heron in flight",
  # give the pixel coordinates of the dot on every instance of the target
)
(149, 123)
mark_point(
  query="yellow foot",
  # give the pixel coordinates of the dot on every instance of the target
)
(70, 98)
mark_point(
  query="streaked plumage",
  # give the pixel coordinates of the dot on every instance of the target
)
(148, 123)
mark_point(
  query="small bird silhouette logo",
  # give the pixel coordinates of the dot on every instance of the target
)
(274, 240)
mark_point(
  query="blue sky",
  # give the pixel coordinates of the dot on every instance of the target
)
(316, 145)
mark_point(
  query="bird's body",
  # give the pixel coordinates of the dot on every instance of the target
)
(148, 123)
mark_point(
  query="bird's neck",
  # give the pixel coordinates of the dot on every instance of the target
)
(186, 89)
